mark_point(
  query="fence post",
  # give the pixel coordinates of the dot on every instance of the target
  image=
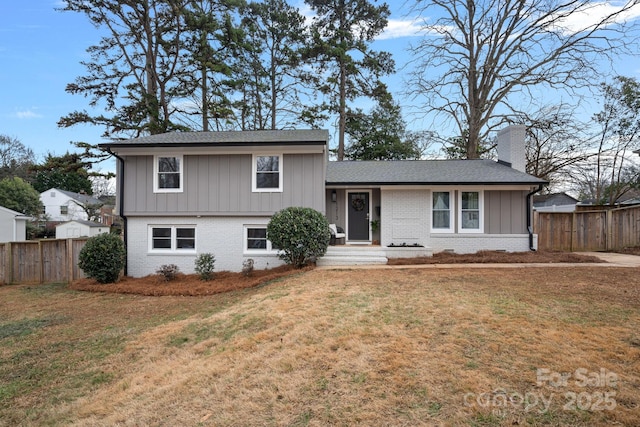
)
(574, 231)
(41, 261)
(69, 247)
(608, 241)
(9, 259)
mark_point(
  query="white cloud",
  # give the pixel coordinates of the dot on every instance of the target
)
(27, 114)
(397, 28)
(593, 13)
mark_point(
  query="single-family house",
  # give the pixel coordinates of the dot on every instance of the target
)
(13, 225)
(554, 202)
(181, 194)
(61, 205)
(80, 228)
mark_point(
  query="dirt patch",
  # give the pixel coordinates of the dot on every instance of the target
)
(495, 257)
(187, 284)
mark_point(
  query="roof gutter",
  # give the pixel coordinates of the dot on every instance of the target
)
(121, 204)
(529, 219)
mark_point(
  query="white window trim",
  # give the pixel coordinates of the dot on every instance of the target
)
(174, 240)
(156, 172)
(480, 228)
(251, 251)
(452, 212)
(254, 173)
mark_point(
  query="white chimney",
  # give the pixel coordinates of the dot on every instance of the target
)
(511, 147)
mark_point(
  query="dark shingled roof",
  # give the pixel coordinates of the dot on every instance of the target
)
(277, 137)
(426, 172)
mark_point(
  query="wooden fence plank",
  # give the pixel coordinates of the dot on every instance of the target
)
(595, 230)
(42, 261)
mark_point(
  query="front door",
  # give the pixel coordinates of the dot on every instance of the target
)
(358, 212)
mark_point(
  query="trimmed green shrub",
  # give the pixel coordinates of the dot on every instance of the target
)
(301, 234)
(168, 272)
(205, 264)
(103, 257)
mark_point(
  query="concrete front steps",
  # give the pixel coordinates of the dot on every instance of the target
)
(367, 255)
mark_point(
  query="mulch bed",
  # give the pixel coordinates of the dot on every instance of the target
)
(187, 284)
(496, 257)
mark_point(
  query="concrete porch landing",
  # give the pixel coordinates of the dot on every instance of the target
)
(367, 255)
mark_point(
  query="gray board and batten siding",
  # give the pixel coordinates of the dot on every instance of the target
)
(221, 185)
(505, 212)
(217, 169)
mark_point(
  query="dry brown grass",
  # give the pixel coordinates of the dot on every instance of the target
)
(371, 347)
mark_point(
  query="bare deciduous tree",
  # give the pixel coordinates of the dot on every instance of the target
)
(486, 56)
(556, 141)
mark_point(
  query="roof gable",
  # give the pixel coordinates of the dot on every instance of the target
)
(11, 212)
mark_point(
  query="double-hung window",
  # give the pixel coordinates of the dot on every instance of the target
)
(470, 220)
(267, 173)
(172, 238)
(255, 237)
(442, 207)
(167, 173)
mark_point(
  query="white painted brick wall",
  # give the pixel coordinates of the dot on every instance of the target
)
(471, 243)
(404, 217)
(221, 236)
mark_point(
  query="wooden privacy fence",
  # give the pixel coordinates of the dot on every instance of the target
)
(597, 230)
(42, 261)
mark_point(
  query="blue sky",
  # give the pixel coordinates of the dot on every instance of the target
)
(40, 53)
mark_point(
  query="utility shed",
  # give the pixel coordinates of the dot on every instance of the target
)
(79, 228)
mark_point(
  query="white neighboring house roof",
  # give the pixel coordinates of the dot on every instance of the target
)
(80, 198)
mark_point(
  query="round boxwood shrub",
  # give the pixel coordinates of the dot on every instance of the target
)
(102, 257)
(301, 234)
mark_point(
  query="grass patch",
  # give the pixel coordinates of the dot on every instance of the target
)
(22, 327)
(392, 347)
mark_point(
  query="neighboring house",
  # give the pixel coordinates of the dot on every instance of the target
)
(555, 202)
(13, 225)
(80, 228)
(61, 205)
(182, 194)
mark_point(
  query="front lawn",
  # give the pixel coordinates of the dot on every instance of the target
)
(521, 346)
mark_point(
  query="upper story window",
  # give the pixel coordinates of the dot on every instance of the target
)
(64, 210)
(471, 218)
(167, 174)
(442, 206)
(267, 173)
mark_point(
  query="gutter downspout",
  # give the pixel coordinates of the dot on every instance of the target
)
(529, 219)
(121, 206)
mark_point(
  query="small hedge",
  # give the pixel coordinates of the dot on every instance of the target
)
(301, 234)
(103, 257)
